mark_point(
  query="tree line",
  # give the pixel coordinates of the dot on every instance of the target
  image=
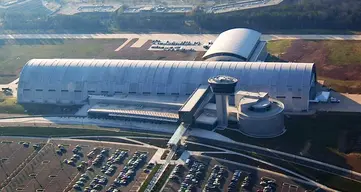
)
(289, 15)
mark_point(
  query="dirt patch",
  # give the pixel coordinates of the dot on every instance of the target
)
(199, 56)
(353, 160)
(318, 52)
(339, 71)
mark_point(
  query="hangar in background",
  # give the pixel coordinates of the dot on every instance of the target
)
(237, 45)
(72, 81)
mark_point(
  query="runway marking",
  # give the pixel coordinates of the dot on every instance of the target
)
(140, 42)
(122, 45)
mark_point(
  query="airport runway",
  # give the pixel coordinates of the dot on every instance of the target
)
(171, 37)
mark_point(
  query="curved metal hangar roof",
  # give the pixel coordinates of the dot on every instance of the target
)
(238, 43)
(70, 81)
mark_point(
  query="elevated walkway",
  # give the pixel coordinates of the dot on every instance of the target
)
(177, 136)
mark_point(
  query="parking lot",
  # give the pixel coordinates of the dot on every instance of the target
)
(13, 152)
(62, 164)
(206, 174)
(109, 163)
(145, 52)
(182, 46)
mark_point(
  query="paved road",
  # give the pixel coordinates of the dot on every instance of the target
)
(126, 125)
(174, 37)
(318, 165)
(305, 180)
(272, 165)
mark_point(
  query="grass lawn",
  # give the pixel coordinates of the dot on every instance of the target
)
(149, 178)
(341, 85)
(9, 105)
(14, 54)
(278, 47)
(343, 52)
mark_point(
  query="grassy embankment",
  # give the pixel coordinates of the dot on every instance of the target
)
(9, 105)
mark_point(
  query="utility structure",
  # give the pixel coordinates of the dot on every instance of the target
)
(222, 86)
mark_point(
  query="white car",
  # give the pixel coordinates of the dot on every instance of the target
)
(334, 100)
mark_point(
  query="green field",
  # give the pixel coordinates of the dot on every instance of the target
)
(278, 47)
(14, 54)
(342, 86)
(337, 52)
(9, 105)
(343, 52)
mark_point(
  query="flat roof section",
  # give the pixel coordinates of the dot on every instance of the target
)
(135, 111)
(147, 100)
(178, 134)
(348, 103)
(194, 98)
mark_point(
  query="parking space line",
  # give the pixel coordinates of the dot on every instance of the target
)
(285, 187)
(293, 188)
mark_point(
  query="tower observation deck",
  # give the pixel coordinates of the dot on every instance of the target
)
(222, 86)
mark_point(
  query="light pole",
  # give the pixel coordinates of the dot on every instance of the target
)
(34, 176)
(2, 167)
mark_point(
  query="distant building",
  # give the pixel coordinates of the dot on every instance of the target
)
(237, 45)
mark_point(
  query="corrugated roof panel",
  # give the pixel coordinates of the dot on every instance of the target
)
(177, 77)
(240, 42)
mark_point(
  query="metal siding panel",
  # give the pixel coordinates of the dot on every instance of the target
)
(240, 42)
(175, 77)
